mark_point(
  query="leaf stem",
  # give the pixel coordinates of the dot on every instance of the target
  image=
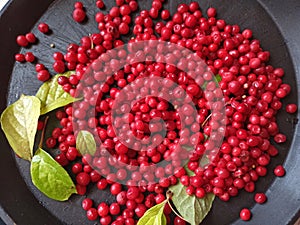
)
(43, 132)
(169, 195)
(174, 211)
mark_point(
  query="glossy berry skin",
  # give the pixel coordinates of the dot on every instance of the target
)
(78, 15)
(291, 108)
(279, 171)
(22, 41)
(179, 221)
(103, 209)
(83, 179)
(43, 27)
(81, 190)
(43, 75)
(77, 168)
(245, 214)
(19, 57)
(39, 67)
(30, 37)
(260, 198)
(115, 188)
(78, 5)
(100, 4)
(114, 209)
(87, 203)
(102, 184)
(59, 66)
(29, 57)
(92, 214)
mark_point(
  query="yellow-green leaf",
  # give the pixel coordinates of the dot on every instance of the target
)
(154, 216)
(50, 177)
(53, 96)
(19, 123)
(191, 208)
(85, 142)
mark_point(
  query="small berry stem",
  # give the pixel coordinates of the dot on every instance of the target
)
(205, 121)
(43, 132)
(92, 43)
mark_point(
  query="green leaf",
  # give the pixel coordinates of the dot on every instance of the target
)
(19, 123)
(154, 216)
(188, 171)
(50, 177)
(85, 143)
(53, 96)
(191, 208)
(218, 78)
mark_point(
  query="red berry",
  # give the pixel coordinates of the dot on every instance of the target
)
(29, 57)
(59, 66)
(50, 142)
(260, 198)
(22, 41)
(43, 27)
(115, 188)
(105, 220)
(77, 168)
(81, 190)
(61, 159)
(200, 192)
(140, 210)
(78, 5)
(43, 75)
(40, 125)
(87, 203)
(19, 57)
(165, 14)
(83, 179)
(102, 184)
(211, 12)
(103, 209)
(30, 37)
(39, 67)
(291, 108)
(280, 138)
(179, 221)
(100, 4)
(245, 214)
(114, 209)
(279, 171)
(133, 193)
(123, 28)
(92, 214)
(79, 15)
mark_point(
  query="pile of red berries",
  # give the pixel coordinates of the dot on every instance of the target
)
(250, 88)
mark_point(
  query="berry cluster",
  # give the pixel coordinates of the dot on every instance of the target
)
(250, 89)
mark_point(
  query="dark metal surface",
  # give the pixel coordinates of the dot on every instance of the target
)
(273, 22)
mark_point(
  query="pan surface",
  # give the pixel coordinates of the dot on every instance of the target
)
(274, 22)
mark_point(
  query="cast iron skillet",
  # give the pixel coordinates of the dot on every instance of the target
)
(274, 22)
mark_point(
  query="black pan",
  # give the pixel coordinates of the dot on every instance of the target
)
(274, 22)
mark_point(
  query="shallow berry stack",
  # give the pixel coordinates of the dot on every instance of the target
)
(250, 89)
